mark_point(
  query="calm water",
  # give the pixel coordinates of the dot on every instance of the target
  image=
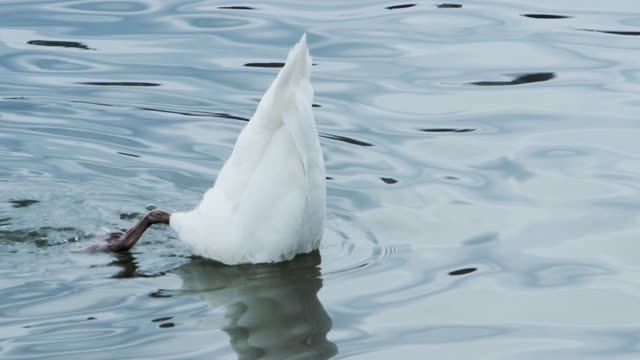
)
(484, 189)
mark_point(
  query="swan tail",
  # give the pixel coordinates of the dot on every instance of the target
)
(294, 87)
(289, 102)
(298, 65)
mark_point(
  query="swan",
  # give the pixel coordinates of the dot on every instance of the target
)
(268, 202)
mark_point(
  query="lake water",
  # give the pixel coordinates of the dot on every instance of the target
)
(483, 193)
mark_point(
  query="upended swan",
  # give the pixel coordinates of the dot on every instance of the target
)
(268, 201)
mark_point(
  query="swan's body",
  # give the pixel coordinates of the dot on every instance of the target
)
(268, 202)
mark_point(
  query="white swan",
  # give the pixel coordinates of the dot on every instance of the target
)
(268, 202)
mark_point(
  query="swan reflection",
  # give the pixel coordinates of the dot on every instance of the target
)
(271, 311)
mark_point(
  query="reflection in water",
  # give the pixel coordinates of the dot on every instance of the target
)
(22, 203)
(449, 6)
(439, 130)
(522, 79)
(626, 33)
(68, 44)
(546, 16)
(266, 64)
(118, 83)
(162, 319)
(200, 113)
(403, 6)
(127, 154)
(129, 267)
(236, 7)
(388, 180)
(345, 139)
(271, 311)
(462, 271)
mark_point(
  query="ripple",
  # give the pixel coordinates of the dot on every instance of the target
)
(109, 6)
(211, 23)
(200, 113)
(614, 32)
(348, 247)
(51, 63)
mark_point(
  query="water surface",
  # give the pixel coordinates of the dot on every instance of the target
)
(482, 159)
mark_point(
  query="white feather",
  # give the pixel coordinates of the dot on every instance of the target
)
(268, 202)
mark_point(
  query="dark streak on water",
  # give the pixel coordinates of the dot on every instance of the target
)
(625, 33)
(167, 325)
(201, 113)
(462, 271)
(159, 294)
(440, 130)
(546, 16)
(403, 6)
(66, 44)
(522, 79)
(266, 64)
(230, 117)
(236, 7)
(388, 180)
(90, 103)
(23, 203)
(345, 139)
(127, 154)
(449, 6)
(118, 83)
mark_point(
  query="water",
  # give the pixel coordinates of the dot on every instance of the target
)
(483, 196)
